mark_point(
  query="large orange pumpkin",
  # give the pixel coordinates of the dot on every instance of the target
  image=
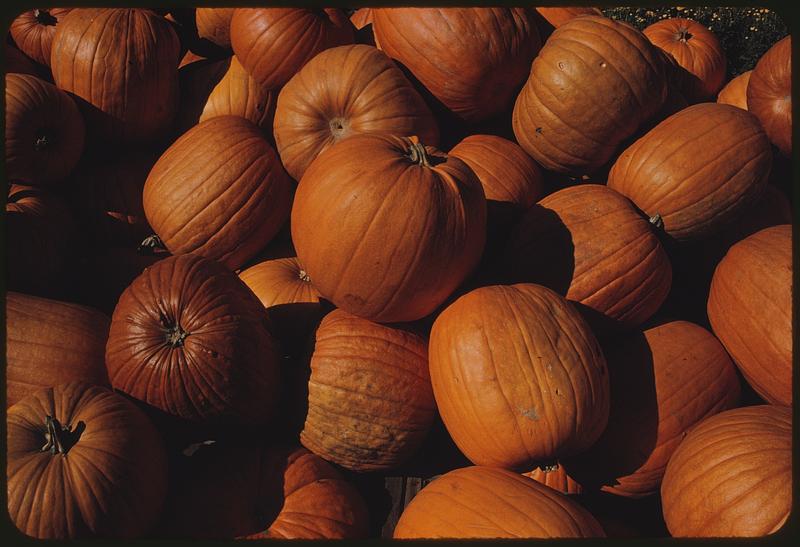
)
(214, 24)
(83, 462)
(735, 91)
(341, 92)
(44, 131)
(482, 502)
(562, 120)
(388, 228)
(238, 94)
(696, 181)
(219, 191)
(588, 243)
(370, 402)
(50, 342)
(33, 32)
(123, 63)
(769, 94)
(750, 310)
(731, 475)
(518, 376)
(477, 61)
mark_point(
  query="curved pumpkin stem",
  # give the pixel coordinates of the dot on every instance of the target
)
(417, 154)
(59, 438)
(151, 244)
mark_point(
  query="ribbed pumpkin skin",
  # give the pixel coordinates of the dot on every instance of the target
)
(111, 483)
(557, 479)
(214, 24)
(50, 342)
(769, 94)
(270, 492)
(345, 91)
(219, 191)
(731, 475)
(557, 16)
(588, 243)
(482, 502)
(735, 92)
(696, 49)
(188, 337)
(388, 239)
(750, 310)
(698, 169)
(361, 18)
(44, 131)
(561, 120)
(518, 376)
(124, 64)
(238, 94)
(370, 402)
(274, 43)
(478, 60)
(664, 380)
(33, 32)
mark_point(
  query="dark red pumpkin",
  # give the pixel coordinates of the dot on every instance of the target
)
(477, 61)
(735, 91)
(33, 32)
(219, 191)
(274, 43)
(83, 462)
(188, 337)
(345, 91)
(731, 475)
(696, 181)
(769, 94)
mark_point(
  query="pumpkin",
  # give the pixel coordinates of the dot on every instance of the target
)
(189, 338)
(731, 475)
(123, 63)
(197, 80)
(700, 181)
(390, 238)
(291, 300)
(83, 462)
(238, 94)
(735, 91)
(588, 243)
(274, 43)
(482, 502)
(769, 94)
(561, 120)
(370, 402)
(696, 49)
(361, 18)
(188, 58)
(664, 380)
(44, 131)
(50, 342)
(214, 24)
(40, 234)
(557, 16)
(556, 478)
(518, 376)
(477, 61)
(750, 310)
(276, 492)
(33, 32)
(219, 191)
(345, 91)
(18, 62)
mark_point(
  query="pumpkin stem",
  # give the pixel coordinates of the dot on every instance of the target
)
(43, 17)
(304, 276)
(151, 244)
(41, 143)
(59, 438)
(417, 154)
(549, 468)
(683, 35)
(175, 336)
(657, 221)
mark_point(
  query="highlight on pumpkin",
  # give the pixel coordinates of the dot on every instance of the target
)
(400, 272)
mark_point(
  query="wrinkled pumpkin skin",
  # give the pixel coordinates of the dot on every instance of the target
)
(769, 94)
(111, 483)
(518, 376)
(750, 310)
(735, 92)
(33, 32)
(732, 475)
(483, 502)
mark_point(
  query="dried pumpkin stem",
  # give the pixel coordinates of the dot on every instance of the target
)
(176, 336)
(683, 35)
(41, 143)
(417, 154)
(304, 276)
(43, 17)
(151, 244)
(60, 439)
(657, 221)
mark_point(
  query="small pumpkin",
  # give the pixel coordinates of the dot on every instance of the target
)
(219, 191)
(44, 131)
(735, 91)
(83, 462)
(214, 24)
(274, 43)
(482, 502)
(732, 475)
(769, 94)
(750, 310)
(698, 182)
(518, 376)
(189, 338)
(33, 32)
(345, 91)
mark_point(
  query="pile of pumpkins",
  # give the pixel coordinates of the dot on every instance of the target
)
(252, 252)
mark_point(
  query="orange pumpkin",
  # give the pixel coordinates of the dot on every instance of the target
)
(238, 94)
(214, 24)
(769, 94)
(556, 478)
(33, 32)
(735, 91)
